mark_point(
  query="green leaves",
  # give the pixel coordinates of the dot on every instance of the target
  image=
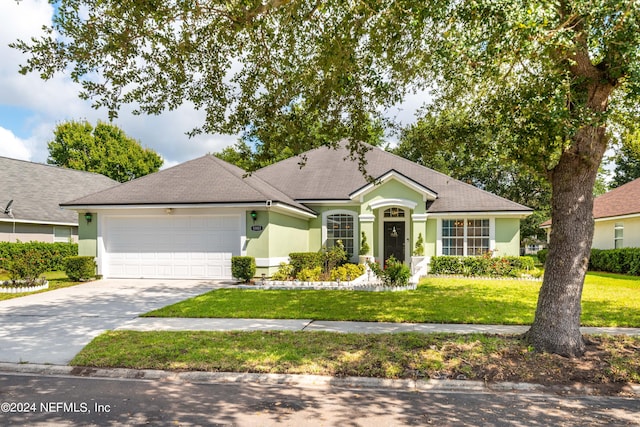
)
(104, 149)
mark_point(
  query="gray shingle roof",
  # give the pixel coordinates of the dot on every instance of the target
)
(203, 180)
(329, 175)
(37, 190)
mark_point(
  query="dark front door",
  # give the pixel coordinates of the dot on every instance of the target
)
(394, 240)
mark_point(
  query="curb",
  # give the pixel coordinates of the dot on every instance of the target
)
(427, 385)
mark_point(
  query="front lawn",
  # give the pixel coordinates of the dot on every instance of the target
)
(57, 280)
(608, 300)
(611, 361)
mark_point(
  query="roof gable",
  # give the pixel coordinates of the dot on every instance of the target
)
(38, 189)
(427, 194)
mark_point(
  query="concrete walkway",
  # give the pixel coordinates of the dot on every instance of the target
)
(52, 327)
(184, 324)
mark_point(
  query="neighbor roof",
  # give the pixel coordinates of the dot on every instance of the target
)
(205, 180)
(624, 200)
(329, 175)
(37, 190)
(621, 201)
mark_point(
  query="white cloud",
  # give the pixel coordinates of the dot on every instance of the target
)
(48, 103)
(12, 146)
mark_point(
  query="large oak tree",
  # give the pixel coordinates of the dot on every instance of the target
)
(547, 73)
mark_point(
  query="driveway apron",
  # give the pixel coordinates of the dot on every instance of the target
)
(52, 327)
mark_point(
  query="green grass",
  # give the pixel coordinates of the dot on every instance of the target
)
(404, 355)
(57, 280)
(608, 300)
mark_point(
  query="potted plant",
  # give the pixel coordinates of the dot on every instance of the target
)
(418, 254)
(364, 250)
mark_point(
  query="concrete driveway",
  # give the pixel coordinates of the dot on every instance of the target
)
(52, 327)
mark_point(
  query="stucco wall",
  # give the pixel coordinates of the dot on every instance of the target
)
(507, 236)
(604, 232)
(87, 236)
(25, 232)
(431, 237)
(281, 235)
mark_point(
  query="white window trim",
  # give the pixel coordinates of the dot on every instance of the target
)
(356, 232)
(618, 226)
(492, 231)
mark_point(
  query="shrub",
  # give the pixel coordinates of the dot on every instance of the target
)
(395, 273)
(364, 245)
(285, 272)
(622, 261)
(334, 257)
(80, 267)
(52, 254)
(446, 265)
(347, 272)
(243, 267)
(485, 265)
(419, 249)
(542, 255)
(27, 266)
(305, 260)
(309, 274)
(526, 262)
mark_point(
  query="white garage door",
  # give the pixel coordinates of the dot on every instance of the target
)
(172, 247)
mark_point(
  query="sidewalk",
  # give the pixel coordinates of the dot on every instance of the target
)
(191, 324)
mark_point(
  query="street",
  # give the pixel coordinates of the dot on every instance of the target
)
(69, 400)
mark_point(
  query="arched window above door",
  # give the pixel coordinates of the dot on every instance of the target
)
(394, 213)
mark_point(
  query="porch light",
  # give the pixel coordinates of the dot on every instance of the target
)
(254, 215)
(88, 216)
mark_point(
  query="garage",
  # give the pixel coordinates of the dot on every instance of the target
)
(170, 246)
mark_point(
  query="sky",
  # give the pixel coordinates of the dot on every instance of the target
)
(30, 108)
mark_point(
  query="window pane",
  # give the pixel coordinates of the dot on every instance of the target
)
(62, 234)
(618, 236)
(478, 236)
(453, 237)
(340, 227)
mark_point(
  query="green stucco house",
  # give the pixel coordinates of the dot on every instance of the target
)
(189, 220)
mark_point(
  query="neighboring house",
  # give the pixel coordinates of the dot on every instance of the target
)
(187, 221)
(617, 218)
(30, 197)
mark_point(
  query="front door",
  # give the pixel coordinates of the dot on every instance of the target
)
(394, 240)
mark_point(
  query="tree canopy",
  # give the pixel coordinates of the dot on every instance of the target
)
(269, 142)
(103, 149)
(627, 159)
(465, 148)
(545, 75)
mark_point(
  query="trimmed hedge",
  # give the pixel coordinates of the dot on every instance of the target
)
(306, 261)
(622, 261)
(509, 266)
(243, 267)
(52, 254)
(79, 268)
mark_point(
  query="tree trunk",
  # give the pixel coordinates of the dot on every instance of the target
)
(556, 327)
